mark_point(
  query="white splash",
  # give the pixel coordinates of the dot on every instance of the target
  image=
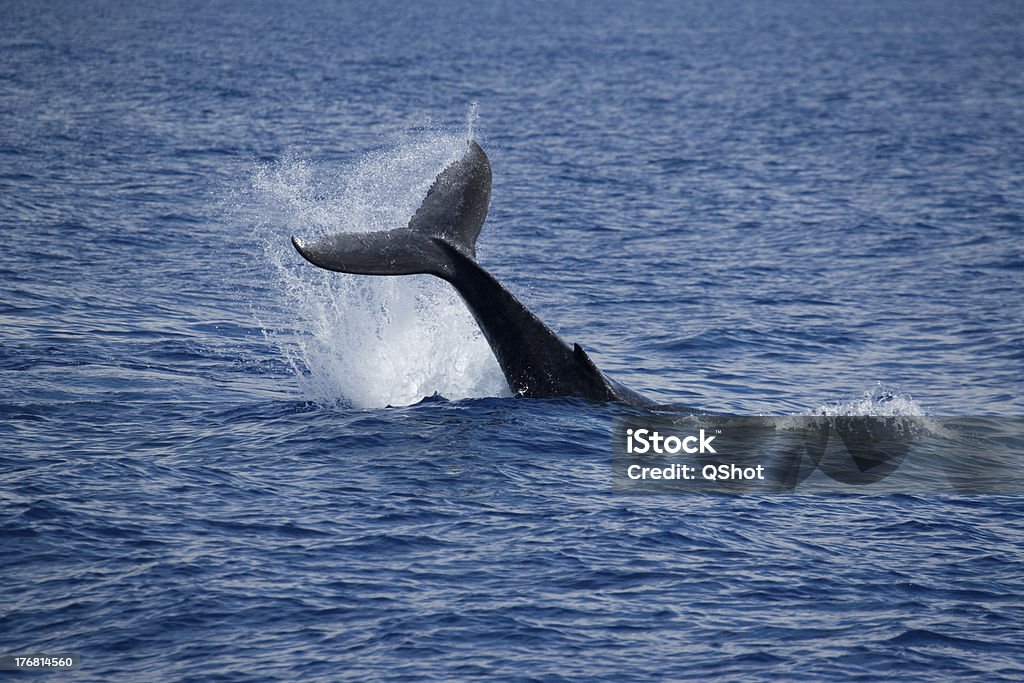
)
(472, 117)
(879, 401)
(367, 341)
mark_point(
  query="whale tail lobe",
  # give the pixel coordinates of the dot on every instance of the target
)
(450, 217)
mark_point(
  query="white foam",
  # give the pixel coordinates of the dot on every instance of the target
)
(366, 341)
(879, 401)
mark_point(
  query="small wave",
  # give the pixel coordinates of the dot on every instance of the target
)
(880, 400)
(922, 637)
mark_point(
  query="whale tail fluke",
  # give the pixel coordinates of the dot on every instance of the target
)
(440, 240)
(451, 215)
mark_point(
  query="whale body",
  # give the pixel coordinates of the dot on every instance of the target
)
(440, 240)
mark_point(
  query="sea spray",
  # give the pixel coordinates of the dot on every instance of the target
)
(365, 341)
(881, 400)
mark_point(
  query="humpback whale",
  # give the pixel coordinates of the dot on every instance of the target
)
(440, 240)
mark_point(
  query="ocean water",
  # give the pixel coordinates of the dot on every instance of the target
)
(220, 463)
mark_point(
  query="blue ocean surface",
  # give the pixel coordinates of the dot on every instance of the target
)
(218, 462)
